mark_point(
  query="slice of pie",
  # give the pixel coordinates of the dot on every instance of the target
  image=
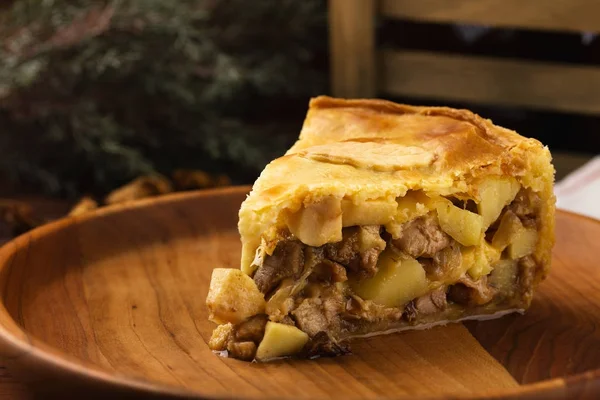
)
(384, 217)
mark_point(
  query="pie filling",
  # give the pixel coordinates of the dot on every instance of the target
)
(451, 259)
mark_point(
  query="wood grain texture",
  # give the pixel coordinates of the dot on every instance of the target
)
(113, 303)
(352, 47)
(12, 389)
(568, 15)
(492, 81)
(570, 345)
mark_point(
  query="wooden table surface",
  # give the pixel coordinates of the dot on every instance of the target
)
(10, 387)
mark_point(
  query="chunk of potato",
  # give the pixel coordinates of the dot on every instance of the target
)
(280, 340)
(483, 259)
(414, 204)
(318, 223)
(511, 233)
(508, 228)
(523, 243)
(399, 279)
(468, 257)
(253, 253)
(490, 252)
(463, 225)
(495, 193)
(370, 212)
(233, 296)
(504, 276)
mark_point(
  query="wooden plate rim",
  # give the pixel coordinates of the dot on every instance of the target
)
(39, 352)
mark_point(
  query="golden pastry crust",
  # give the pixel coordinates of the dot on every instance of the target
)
(361, 150)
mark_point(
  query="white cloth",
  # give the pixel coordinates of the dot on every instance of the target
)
(579, 192)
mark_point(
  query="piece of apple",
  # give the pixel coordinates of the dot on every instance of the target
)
(463, 225)
(399, 279)
(233, 296)
(280, 340)
(495, 193)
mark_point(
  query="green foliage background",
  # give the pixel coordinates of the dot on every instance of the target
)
(94, 93)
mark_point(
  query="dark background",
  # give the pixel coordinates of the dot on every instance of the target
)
(568, 132)
(96, 93)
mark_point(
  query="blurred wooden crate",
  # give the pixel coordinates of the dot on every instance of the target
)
(359, 69)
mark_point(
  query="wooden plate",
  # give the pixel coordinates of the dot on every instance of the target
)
(113, 302)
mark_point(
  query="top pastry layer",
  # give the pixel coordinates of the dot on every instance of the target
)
(362, 150)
